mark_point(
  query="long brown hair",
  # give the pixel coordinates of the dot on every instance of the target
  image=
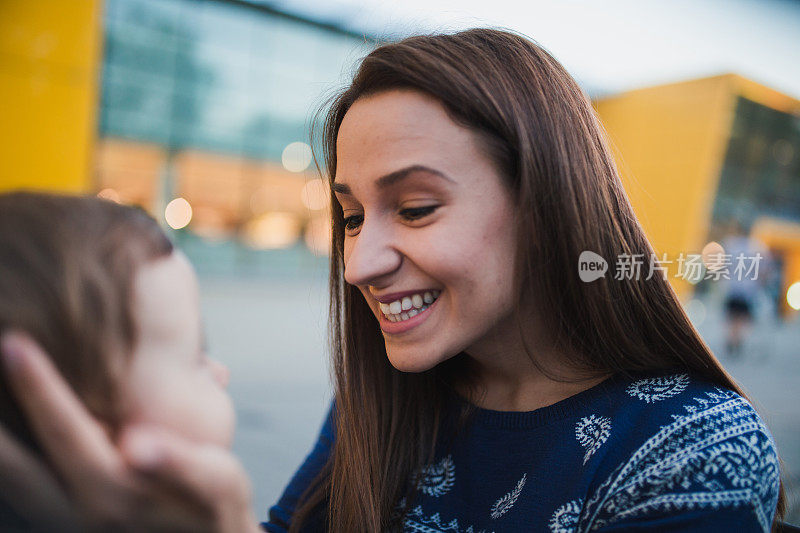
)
(66, 274)
(541, 131)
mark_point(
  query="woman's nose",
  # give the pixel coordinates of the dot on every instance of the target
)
(370, 255)
(221, 373)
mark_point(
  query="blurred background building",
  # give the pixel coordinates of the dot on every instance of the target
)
(199, 112)
(196, 111)
(697, 156)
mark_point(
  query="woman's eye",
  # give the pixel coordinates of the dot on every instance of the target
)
(414, 213)
(353, 222)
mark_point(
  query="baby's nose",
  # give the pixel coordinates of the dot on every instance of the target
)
(220, 372)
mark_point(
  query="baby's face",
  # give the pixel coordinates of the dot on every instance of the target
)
(171, 382)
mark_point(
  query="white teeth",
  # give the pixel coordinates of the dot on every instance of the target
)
(406, 315)
(408, 306)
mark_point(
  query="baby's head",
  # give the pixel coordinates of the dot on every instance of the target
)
(101, 289)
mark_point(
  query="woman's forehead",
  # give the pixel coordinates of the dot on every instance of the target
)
(397, 130)
(397, 117)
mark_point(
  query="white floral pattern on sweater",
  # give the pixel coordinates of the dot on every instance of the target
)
(712, 452)
(719, 454)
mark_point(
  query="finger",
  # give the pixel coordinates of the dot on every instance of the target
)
(73, 440)
(82, 453)
(210, 474)
(31, 490)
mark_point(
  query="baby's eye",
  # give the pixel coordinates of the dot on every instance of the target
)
(415, 213)
(353, 222)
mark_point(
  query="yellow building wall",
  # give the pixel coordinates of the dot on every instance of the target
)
(669, 142)
(49, 82)
(783, 237)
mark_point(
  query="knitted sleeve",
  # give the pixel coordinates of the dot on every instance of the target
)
(714, 467)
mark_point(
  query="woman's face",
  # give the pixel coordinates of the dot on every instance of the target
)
(429, 236)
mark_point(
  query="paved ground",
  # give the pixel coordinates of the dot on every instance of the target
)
(769, 371)
(272, 336)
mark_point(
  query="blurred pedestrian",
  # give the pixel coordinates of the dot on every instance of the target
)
(749, 267)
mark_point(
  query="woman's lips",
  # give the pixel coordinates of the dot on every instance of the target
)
(418, 316)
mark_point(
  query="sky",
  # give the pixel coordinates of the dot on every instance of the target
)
(608, 45)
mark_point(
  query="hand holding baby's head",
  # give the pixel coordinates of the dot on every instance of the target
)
(102, 290)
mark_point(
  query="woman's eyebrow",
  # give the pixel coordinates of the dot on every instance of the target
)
(393, 178)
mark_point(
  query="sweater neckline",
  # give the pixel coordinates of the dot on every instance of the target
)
(538, 417)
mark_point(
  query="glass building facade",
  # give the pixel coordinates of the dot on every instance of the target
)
(759, 191)
(211, 101)
(761, 172)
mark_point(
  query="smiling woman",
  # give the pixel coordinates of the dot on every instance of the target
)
(480, 384)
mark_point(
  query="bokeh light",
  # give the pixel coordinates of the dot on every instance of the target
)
(793, 295)
(296, 157)
(178, 213)
(713, 256)
(272, 230)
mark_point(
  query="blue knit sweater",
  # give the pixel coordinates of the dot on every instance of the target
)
(658, 453)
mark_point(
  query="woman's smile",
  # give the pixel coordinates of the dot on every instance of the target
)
(406, 312)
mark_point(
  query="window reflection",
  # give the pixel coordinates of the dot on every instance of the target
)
(200, 99)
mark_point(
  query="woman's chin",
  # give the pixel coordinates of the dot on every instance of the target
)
(406, 362)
